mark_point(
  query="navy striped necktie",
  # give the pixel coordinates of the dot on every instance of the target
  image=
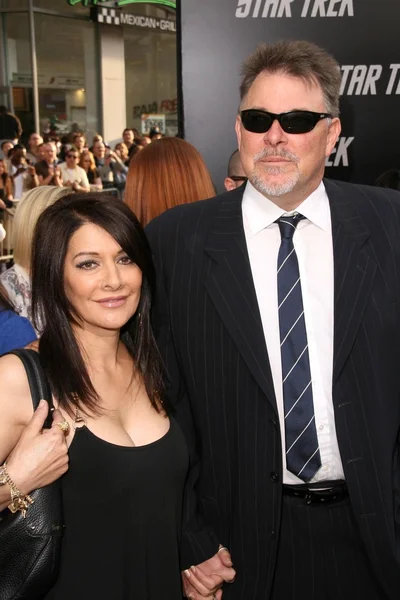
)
(302, 451)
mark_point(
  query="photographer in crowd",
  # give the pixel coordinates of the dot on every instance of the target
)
(23, 175)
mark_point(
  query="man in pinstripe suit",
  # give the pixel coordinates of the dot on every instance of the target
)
(278, 317)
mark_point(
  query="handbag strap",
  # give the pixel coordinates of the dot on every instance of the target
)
(38, 382)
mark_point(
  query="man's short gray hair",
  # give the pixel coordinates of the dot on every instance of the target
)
(300, 59)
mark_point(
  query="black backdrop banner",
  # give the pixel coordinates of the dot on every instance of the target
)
(363, 36)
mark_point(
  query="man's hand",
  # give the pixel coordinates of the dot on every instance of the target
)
(206, 579)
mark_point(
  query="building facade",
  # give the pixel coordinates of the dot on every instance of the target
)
(92, 65)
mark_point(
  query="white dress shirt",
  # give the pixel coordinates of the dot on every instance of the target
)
(314, 248)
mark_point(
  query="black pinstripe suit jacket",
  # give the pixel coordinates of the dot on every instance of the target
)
(209, 329)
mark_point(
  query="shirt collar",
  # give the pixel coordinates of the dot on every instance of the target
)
(260, 212)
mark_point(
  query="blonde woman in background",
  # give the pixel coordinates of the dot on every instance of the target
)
(16, 280)
(166, 173)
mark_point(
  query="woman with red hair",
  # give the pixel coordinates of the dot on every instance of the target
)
(166, 173)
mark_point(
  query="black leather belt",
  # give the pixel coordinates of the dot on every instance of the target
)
(323, 492)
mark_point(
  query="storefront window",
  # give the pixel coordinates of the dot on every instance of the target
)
(150, 68)
(76, 59)
(68, 74)
(19, 67)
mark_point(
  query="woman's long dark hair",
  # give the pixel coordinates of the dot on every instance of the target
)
(59, 349)
(5, 303)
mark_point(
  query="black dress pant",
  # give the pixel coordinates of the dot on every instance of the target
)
(321, 555)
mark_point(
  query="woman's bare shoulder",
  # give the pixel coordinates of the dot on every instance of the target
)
(15, 396)
(10, 367)
(12, 370)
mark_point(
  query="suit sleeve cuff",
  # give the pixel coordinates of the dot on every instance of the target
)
(197, 547)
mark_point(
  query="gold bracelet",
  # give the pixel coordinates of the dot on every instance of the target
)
(18, 501)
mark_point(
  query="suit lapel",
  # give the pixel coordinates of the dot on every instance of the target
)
(231, 288)
(354, 272)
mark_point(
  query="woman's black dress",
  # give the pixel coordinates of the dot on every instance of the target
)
(122, 508)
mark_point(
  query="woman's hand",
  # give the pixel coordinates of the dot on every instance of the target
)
(41, 455)
(205, 580)
(198, 585)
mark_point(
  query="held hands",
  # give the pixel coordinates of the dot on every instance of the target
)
(41, 455)
(206, 579)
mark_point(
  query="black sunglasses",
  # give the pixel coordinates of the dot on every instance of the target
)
(72, 156)
(294, 121)
(238, 178)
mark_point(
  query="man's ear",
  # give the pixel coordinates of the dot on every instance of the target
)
(229, 184)
(238, 124)
(333, 134)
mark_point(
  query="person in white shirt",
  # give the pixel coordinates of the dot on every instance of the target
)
(278, 318)
(72, 175)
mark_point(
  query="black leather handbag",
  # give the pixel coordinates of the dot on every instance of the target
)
(30, 547)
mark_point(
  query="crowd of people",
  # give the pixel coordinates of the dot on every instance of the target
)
(165, 172)
(68, 162)
(224, 372)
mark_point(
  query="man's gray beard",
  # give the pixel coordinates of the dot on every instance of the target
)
(274, 189)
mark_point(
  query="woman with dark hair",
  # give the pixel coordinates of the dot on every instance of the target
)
(15, 331)
(93, 280)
